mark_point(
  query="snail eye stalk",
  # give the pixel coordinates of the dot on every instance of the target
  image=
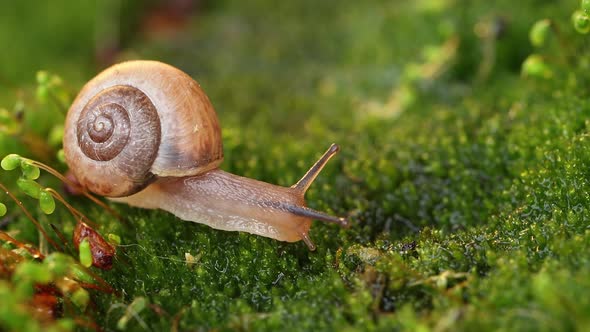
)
(306, 181)
(301, 187)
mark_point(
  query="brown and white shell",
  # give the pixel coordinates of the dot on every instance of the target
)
(137, 121)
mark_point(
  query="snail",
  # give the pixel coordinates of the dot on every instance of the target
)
(144, 133)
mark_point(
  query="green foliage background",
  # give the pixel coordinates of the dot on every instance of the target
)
(467, 183)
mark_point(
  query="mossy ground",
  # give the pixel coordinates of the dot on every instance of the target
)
(467, 184)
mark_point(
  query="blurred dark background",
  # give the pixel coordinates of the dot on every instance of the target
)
(81, 36)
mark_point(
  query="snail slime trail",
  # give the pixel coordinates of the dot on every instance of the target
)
(129, 135)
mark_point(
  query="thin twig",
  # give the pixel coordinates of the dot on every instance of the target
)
(30, 216)
(72, 184)
(77, 214)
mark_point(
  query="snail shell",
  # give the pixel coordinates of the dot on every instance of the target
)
(137, 121)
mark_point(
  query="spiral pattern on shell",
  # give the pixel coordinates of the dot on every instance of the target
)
(137, 121)
(121, 124)
(104, 126)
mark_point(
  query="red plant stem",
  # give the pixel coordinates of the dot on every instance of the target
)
(28, 214)
(70, 183)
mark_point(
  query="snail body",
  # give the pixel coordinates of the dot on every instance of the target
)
(145, 133)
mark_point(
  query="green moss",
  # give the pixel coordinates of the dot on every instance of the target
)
(466, 183)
